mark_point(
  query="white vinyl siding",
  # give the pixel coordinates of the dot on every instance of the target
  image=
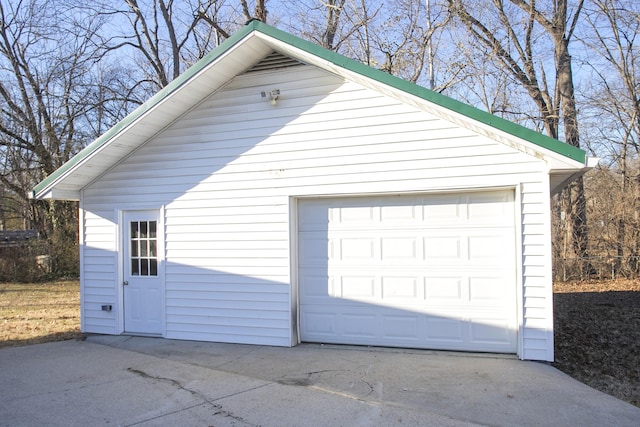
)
(225, 173)
(99, 273)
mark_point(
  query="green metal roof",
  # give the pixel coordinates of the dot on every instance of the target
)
(476, 114)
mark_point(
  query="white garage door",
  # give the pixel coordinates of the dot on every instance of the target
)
(433, 271)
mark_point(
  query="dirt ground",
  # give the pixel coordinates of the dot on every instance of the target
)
(597, 335)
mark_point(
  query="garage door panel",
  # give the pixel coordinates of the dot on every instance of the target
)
(444, 209)
(445, 331)
(360, 325)
(400, 248)
(426, 272)
(313, 215)
(483, 247)
(407, 213)
(488, 332)
(418, 288)
(462, 247)
(316, 284)
(320, 326)
(314, 249)
(490, 207)
(356, 249)
(405, 327)
(402, 289)
(358, 287)
(490, 290)
(447, 248)
(353, 215)
(442, 290)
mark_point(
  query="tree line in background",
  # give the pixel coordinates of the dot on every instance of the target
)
(69, 70)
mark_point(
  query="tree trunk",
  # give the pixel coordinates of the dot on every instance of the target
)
(566, 94)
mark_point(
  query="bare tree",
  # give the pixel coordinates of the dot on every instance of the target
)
(165, 35)
(225, 16)
(47, 57)
(614, 106)
(326, 23)
(487, 85)
(259, 10)
(332, 24)
(512, 31)
(400, 37)
(405, 38)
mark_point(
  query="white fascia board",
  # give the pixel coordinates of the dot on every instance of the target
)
(56, 194)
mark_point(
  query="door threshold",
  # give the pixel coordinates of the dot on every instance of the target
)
(141, 334)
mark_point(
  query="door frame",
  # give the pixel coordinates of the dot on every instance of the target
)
(122, 263)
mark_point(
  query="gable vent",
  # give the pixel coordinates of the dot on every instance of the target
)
(274, 61)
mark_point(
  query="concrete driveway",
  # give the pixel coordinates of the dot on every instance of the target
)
(127, 381)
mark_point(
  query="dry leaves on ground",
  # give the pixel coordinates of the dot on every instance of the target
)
(597, 335)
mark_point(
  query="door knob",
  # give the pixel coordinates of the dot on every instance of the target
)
(125, 283)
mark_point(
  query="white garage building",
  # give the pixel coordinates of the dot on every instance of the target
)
(278, 193)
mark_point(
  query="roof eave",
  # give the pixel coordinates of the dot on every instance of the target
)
(56, 194)
(564, 177)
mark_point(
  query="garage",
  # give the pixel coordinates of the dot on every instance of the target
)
(353, 207)
(433, 271)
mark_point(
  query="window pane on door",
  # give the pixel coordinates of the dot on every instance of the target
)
(144, 248)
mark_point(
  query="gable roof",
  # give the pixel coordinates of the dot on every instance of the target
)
(242, 51)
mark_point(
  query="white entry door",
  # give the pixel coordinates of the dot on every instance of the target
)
(142, 282)
(433, 271)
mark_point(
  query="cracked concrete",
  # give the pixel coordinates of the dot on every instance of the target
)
(217, 409)
(134, 381)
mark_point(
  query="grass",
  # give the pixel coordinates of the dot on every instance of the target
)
(32, 313)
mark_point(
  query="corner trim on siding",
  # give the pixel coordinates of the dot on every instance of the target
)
(517, 210)
(294, 290)
(81, 245)
(119, 217)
